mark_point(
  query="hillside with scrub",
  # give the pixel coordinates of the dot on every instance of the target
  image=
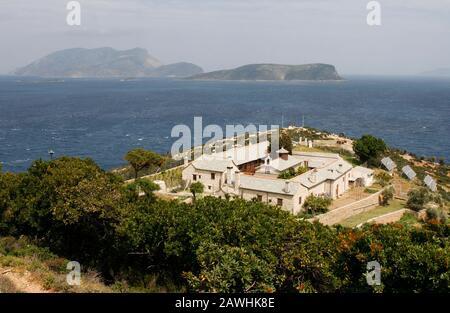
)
(129, 239)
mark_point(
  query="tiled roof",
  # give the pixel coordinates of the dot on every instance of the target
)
(241, 155)
(319, 175)
(282, 150)
(362, 170)
(317, 154)
(280, 165)
(214, 165)
(268, 185)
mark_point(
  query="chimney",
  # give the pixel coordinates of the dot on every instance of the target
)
(186, 160)
(237, 182)
(229, 172)
(283, 154)
(313, 176)
(287, 186)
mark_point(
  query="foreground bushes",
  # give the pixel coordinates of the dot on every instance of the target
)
(215, 245)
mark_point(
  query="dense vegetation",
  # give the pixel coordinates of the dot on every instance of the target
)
(369, 149)
(291, 172)
(314, 205)
(83, 213)
(141, 159)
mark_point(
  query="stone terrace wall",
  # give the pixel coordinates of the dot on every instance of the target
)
(337, 215)
(388, 218)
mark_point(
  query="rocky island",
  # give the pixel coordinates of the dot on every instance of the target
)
(255, 72)
(104, 63)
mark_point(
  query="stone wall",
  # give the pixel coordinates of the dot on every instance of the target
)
(337, 215)
(388, 218)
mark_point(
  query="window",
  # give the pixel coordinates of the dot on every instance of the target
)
(280, 202)
(299, 200)
(194, 177)
(270, 200)
(213, 176)
(259, 197)
(209, 187)
(199, 176)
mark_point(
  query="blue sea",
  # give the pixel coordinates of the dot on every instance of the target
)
(103, 119)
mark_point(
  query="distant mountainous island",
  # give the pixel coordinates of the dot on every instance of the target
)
(437, 72)
(274, 72)
(105, 62)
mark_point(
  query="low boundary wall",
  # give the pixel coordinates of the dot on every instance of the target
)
(346, 211)
(389, 217)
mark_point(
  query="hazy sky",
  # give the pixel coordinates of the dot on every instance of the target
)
(414, 35)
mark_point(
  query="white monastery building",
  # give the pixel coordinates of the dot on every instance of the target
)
(250, 172)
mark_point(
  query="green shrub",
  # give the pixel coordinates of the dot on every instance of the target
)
(196, 188)
(369, 149)
(287, 174)
(418, 198)
(11, 261)
(436, 215)
(8, 245)
(301, 170)
(383, 178)
(58, 265)
(386, 196)
(317, 204)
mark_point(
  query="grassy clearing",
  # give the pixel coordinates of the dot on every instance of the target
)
(355, 220)
(409, 219)
(307, 149)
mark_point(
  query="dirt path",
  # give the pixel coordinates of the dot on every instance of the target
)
(22, 282)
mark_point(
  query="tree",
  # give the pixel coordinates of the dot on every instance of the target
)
(141, 189)
(302, 170)
(383, 178)
(70, 204)
(369, 148)
(140, 159)
(226, 268)
(412, 259)
(285, 141)
(196, 188)
(9, 191)
(287, 174)
(418, 198)
(316, 204)
(436, 215)
(386, 196)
